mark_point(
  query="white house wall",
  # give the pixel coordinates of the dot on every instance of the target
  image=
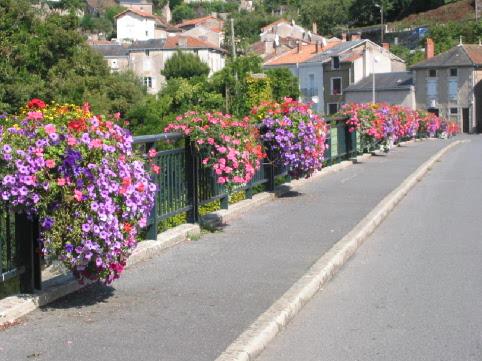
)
(135, 27)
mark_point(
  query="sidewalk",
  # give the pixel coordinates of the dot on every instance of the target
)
(193, 301)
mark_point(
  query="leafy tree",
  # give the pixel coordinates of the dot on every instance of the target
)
(181, 12)
(48, 58)
(327, 14)
(185, 65)
(283, 84)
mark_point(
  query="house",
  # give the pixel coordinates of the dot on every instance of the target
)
(309, 78)
(209, 22)
(116, 55)
(348, 63)
(144, 6)
(146, 58)
(281, 36)
(208, 28)
(136, 25)
(449, 84)
(394, 88)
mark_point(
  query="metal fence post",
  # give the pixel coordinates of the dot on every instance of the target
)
(28, 253)
(153, 221)
(192, 176)
(269, 172)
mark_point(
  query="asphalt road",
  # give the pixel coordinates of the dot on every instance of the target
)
(413, 291)
(191, 302)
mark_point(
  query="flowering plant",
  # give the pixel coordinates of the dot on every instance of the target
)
(294, 136)
(227, 145)
(382, 124)
(76, 172)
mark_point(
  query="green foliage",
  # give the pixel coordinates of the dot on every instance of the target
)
(327, 14)
(185, 65)
(410, 56)
(48, 58)
(181, 12)
(258, 90)
(283, 84)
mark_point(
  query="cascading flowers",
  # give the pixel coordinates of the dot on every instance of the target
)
(380, 125)
(78, 174)
(228, 145)
(293, 135)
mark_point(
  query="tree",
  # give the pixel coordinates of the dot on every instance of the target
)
(181, 12)
(185, 65)
(327, 14)
(283, 84)
(48, 58)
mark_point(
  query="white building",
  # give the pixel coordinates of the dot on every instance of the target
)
(136, 25)
(147, 58)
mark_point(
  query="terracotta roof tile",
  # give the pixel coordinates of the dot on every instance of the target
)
(172, 42)
(474, 52)
(306, 52)
(197, 21)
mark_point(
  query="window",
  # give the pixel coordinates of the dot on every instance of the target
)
(148, 81)
(432, 73)
(335, 62)
(312, 85)
(114, 64)
(336, 86)
(453, 72)
(453, 88)
(147, 52)
(147, 33)
(454, 111)
(332, 108)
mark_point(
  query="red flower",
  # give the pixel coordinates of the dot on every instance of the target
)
(77, 125)
(36, 103)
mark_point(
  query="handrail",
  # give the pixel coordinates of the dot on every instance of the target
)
(157, 137)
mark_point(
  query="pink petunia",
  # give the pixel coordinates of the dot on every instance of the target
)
(50, 163)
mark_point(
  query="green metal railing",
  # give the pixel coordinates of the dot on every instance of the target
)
(184, 184)
(183, 187)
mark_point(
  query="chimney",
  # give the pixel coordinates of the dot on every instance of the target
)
(317, 47)
(298, 46)
(182, 42)
(314, 28)
(356, 36)
(386, 46)
(429, 48)
(343, 36)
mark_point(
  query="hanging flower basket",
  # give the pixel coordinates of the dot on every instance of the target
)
(78, 174)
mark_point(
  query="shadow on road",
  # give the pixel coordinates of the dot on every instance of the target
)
(90, 295)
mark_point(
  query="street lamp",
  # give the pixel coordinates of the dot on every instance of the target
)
(380, 6)
(375, 59)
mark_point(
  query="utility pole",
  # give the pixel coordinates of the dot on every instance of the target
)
(382, 29)
(232, 39)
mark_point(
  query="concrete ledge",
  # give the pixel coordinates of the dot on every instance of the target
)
(254, 340)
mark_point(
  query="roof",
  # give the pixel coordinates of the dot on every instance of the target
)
(280, 21)
(458, 56)
(111, 50)
(384, 81)
(336, 50)
(293, 56)
(135, 2)
(197, 21)
(173, 42)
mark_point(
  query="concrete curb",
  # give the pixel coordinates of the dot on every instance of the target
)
(14, 307)
(254, 340)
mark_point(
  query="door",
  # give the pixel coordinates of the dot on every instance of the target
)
(465, 120)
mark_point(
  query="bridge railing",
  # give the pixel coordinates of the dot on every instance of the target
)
(184, 185)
